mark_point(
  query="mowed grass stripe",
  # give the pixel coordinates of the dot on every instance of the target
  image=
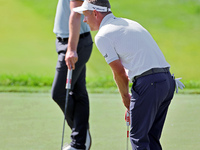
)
(34, 121)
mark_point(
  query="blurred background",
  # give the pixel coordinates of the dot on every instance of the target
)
(29, 119)
(27, 42)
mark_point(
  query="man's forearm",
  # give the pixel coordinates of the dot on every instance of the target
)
(74, 31)
(123, 86)
(121, 80)
(122, 83)
(71, 56)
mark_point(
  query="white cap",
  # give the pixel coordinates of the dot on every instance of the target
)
(88, 6)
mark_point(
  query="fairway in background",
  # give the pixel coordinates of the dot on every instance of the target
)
(28, 42)
(34, 122)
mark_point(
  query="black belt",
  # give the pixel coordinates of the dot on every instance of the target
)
(84, 35)
(151, 71)
(66, 39)
(62, 39)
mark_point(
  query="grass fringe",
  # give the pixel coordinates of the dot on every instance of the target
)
(33, 83)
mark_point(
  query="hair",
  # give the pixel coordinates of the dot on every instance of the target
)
(104, 3)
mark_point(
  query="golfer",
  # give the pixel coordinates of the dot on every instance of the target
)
(73, 43)
(133, 56)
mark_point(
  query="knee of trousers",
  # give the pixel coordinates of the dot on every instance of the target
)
(56, 97)
(59, 99)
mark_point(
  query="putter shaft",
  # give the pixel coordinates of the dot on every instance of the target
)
(68, 87)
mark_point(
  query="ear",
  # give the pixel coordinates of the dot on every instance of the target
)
(95, 13)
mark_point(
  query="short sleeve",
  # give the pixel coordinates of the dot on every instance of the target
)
(106, 48)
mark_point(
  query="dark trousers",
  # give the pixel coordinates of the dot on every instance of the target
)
(77, 114)
(151, 97)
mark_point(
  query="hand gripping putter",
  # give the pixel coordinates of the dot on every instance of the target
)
(127, 119)
(68, 87)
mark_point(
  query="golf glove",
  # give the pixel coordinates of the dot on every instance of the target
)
(178, 83)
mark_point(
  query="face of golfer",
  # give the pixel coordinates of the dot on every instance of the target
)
(90, 19)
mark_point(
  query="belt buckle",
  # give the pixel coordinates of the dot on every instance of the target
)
(61, 39)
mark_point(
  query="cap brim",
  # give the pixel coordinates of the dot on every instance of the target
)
(79, 10)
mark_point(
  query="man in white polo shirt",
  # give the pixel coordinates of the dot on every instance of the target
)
(134, 56)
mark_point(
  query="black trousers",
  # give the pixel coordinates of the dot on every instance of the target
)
(77, 115)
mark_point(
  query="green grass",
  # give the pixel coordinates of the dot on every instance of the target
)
(34, 122)
(28, 43)
(32, 83)
(27, 64)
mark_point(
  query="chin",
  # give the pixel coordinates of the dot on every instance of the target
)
(93, 29)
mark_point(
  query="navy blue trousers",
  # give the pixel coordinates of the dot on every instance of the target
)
(77, 114)
(151, 97)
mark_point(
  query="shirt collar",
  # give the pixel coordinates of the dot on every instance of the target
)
(106, 19)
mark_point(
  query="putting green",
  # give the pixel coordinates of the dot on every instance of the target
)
(33, 121)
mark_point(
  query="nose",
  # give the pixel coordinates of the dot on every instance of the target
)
(84, 19)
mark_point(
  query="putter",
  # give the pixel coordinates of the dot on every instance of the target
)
(68, 87)
(127, 119)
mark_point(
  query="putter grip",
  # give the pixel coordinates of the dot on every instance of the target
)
(127, 118)
(69, 79)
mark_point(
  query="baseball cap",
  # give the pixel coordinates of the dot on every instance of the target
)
(89, 6)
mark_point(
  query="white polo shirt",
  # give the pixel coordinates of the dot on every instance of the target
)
(127, 40)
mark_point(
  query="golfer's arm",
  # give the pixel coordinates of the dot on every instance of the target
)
(120, 78)
(74, 26)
